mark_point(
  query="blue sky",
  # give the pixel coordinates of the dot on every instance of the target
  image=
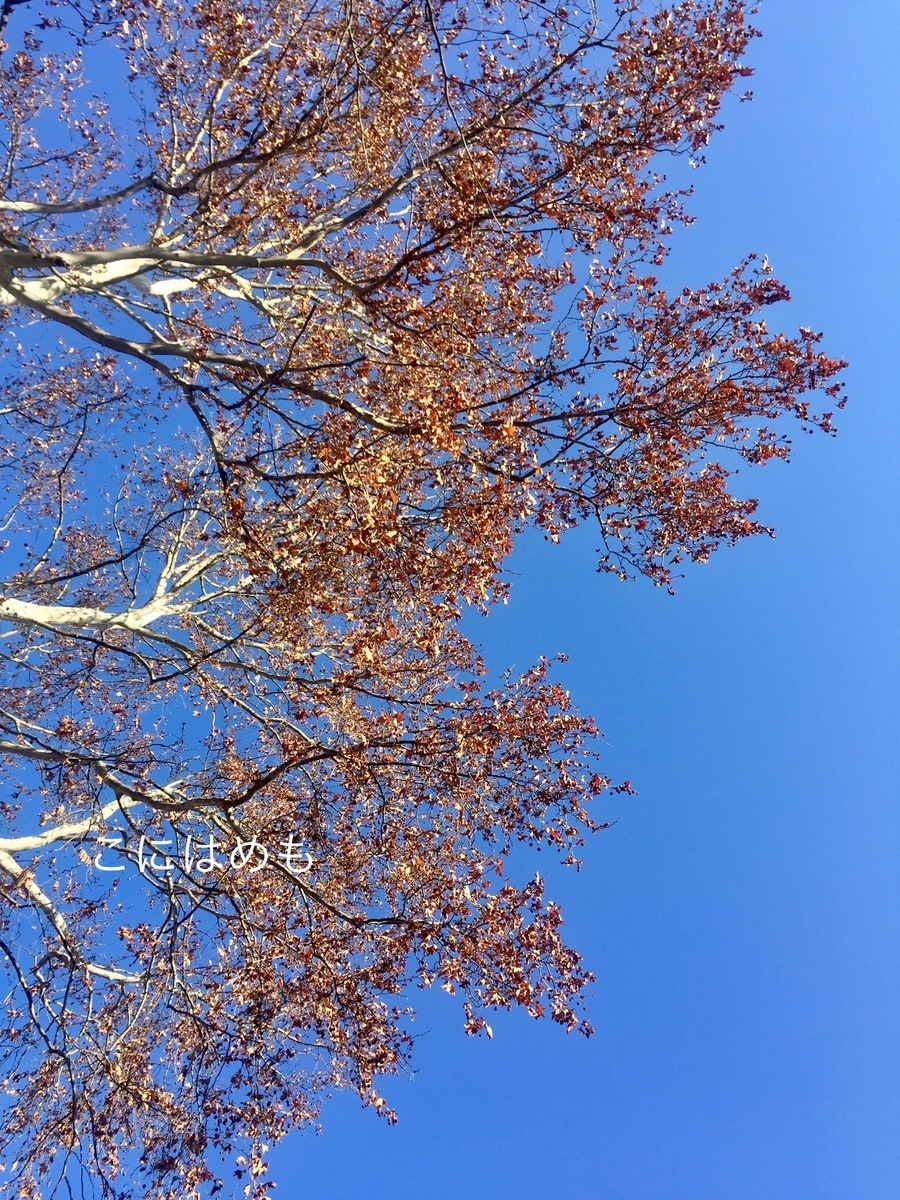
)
(743, 916)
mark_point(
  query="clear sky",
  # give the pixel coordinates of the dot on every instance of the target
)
(743, 916)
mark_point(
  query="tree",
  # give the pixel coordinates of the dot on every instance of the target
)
(303, 322)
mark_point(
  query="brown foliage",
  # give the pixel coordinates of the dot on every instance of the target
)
(302, 324)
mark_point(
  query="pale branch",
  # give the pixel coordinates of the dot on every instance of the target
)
(150, 353)
(72, 207)
(75, 956)
(63, 616)
(45, 754)
(160, 798)
(203, 126)
(7, 10)
(144, 351)
(72, 831)
(95, 268)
